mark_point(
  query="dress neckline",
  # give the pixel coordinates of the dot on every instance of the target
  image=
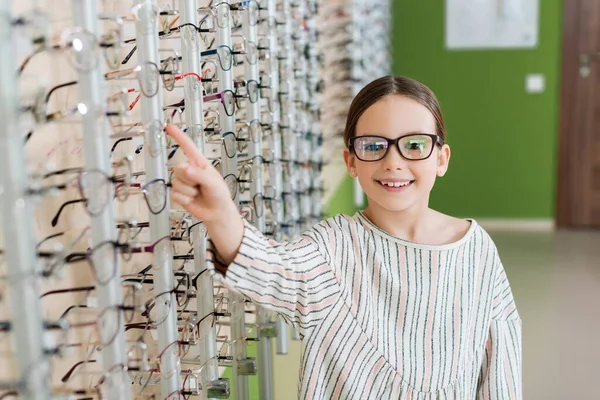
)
(447, 246)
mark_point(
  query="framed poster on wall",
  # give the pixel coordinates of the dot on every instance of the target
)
(492, 24)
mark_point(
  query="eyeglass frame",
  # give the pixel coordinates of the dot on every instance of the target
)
(436, 140)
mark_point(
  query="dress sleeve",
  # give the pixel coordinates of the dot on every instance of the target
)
(294, 279)
(501, 370)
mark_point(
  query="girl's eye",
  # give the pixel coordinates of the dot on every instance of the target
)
(373, 147)
(415, 146)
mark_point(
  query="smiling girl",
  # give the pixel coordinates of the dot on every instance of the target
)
(398, 301)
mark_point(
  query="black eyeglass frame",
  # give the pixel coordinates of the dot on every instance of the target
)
(436, 140)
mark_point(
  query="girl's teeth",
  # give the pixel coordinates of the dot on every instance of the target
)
(395, 184)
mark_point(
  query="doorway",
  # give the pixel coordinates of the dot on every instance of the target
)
(578, 197)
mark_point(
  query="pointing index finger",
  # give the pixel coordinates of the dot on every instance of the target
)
(188, 146)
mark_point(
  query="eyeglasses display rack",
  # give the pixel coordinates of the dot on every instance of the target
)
(104, 286)
(275, 142)
(92, 93)
(18, 233)
(191, 46)
(251, 19)
(155, 163)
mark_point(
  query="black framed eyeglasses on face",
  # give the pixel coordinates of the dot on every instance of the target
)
(412, 147)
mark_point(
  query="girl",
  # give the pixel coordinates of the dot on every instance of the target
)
(396, 302)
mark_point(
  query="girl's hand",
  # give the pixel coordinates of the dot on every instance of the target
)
(197, 186)
(201, 190)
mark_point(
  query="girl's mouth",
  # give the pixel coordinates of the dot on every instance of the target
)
(395, 186)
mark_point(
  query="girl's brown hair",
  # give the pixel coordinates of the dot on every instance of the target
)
(393, 85)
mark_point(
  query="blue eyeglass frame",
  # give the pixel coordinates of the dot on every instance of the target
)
(437, 140)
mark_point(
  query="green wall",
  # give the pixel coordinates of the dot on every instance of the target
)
(503, 140)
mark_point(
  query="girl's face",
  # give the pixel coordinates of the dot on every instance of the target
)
(392, 117)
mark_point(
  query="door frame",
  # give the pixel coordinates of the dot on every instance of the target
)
(569, 181)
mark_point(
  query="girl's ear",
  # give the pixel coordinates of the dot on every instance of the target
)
(443, 160)
(350, 161)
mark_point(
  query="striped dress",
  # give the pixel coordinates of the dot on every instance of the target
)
(385, 318)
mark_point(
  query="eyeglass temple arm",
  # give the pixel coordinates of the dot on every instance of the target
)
(63, 171)
(114, 147)
(70, 372)
(55, 88)
(57, 216)
(175, 105)
(44, 240)
(71, 290)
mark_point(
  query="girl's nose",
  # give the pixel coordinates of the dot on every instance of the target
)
(393, 160)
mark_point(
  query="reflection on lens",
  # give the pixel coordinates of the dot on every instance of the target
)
(231, 181)
(169, 69)
(222, 15)
(416, 147)
(229, 143)
(148, 77)
(370, 148)
(112, 58)
(229, 102)
(112, 39)
(106, 254)
(247, 174)
(84, 53)
(155, 193)
(182, 298)
(189, 33)
(252, 53)
(161, 308)
(129, 302)
(242, 146)
(225, 57)
(95, 187)
(259, 205)
(154, 137)
(161, 253)
(256, 131)
(252, 89)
